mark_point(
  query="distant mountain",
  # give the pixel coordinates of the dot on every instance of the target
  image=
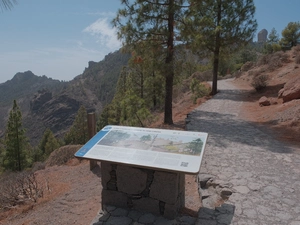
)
(48, 103)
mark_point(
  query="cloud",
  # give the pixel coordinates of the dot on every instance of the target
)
(106, 35)
(102, 14)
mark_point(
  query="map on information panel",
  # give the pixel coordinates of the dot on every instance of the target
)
(173, 150)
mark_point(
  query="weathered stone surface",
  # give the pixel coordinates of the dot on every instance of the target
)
(226, 192)
(171, 210)
(204, 178)
(105, 173)
(264, 101)
(131, 180)
(114, 198)
(135, 215)
(116, 220)
(167, 182)
(147, 205)
(119, 212)
(147, 218)
(291, 90)
(242, 189)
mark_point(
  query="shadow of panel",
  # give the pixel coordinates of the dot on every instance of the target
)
(220, 215)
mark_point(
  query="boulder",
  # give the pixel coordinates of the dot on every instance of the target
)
(291, 90)
(264, 101)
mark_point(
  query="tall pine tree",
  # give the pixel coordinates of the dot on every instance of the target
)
(15, 141)
(47, 145)
(217, 25)
(78, 133)
(153, 22)
(291, 35)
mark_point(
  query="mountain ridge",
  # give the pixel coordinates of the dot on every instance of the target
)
(49, 103)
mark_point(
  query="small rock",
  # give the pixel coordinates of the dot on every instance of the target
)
(226, 192)
(204, 178)
(264, 101)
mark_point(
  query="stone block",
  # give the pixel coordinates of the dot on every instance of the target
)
(165, 187)
(147, 205)
(181, 188)
(105, 173)
(114, 198)
(131, 180)
(171, 210)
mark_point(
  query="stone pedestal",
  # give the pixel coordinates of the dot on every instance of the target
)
(157, 192)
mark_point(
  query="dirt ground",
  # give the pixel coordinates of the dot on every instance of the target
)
(72, 193)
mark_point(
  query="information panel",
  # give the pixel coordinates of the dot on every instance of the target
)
(173, 150)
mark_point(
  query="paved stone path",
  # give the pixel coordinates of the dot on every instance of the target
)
(262, 173)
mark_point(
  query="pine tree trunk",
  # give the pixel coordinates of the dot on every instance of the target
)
(169, 65)
(216, 52)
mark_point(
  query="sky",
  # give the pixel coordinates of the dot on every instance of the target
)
(58, 38)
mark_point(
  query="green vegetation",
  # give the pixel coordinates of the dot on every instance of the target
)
(78, 133)
(170, 47)
(153, 23)
(199, 90)
(16, 143)
(272, 44)
(290, 35)
(219, 26)
(47, 145)
(146, 138)
(158, 63)
(260, 82)
(196, 146)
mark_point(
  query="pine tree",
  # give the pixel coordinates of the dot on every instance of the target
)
(47, 144)
(218, 24)
(291, 35)
(51, 144)
(78, 133)
(272, 44)
(153, 22)
(273, 36)
(15, 141)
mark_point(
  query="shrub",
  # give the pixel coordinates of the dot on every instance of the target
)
(247, 66)
(18, 188)
(263, 60)
(199, 90)
(274, 60)
(259, 82)
(296, 49)
(62, 155)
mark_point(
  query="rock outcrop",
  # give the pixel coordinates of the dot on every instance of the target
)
(291, 90)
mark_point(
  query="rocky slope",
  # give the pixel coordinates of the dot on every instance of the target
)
(47, 103)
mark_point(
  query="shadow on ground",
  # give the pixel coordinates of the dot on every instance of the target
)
(220, 215)
(225, 129)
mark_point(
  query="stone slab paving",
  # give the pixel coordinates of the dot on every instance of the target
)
(263, 174)
(260, 175)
